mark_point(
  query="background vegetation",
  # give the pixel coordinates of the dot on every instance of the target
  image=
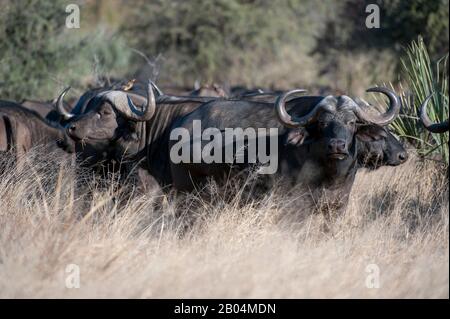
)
(424, 78)
(323, 46)
(254, 42)
(39, 55)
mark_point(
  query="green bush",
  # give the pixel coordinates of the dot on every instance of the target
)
(211, 40)
(401, 22)
(249, 42)
(39, 55)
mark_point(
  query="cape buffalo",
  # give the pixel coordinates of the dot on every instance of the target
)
(376, 145)
(45, 109)
(22, 129)
(106, 129)
(430, 126)
(320, 141)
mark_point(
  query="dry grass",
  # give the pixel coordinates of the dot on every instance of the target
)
(397, 219)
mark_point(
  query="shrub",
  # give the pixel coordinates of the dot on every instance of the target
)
(345, 33)
(213, 40)
(39, 55)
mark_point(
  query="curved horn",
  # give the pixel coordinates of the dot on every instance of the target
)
(430, 126)
(294, 122)
(60, 105)
(157, 90)
(124, 104)
(391, 113)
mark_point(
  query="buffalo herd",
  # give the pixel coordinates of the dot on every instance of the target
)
(316, 142)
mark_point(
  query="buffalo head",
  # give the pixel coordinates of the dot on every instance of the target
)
(110, 117)
(379, 147)
(334, 122)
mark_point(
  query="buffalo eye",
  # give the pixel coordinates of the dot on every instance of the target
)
(104, 112)
(352, 124)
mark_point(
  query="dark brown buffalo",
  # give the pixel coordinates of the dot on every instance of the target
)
(104, 133)
(22, 129)
(45, 109)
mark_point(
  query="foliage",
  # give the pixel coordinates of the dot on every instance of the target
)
(400, 23)
(322, 46)
(423, 78)
(39, 54)
(204, 39)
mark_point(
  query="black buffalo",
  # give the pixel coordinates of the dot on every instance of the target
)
(106, 128)
(322, 145)
(322, 140)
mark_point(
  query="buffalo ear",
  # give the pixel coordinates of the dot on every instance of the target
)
(296, 137)
(370, 133)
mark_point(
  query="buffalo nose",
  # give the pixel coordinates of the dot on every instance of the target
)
(403, 156)
(337, 146)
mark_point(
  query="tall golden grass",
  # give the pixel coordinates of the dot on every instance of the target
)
(125, 246)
